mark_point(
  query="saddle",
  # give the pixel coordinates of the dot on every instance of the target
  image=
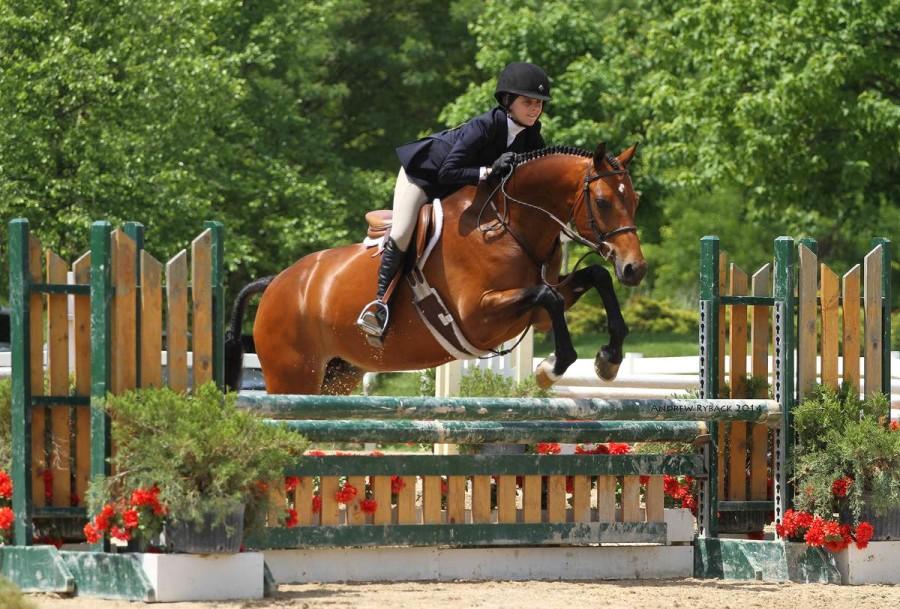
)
(380, 222)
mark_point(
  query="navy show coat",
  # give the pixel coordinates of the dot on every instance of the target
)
(444, 162)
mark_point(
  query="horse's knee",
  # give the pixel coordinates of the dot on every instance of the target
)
(601, 277)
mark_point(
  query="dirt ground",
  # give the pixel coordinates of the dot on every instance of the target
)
(689, 594)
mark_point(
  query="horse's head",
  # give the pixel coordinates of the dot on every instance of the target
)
(604, 213)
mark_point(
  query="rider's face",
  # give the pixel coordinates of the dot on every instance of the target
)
(526, 110)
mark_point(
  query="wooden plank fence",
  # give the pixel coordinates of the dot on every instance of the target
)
(831, 318)
(59, 445)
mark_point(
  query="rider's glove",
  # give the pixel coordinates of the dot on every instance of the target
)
(503, 165)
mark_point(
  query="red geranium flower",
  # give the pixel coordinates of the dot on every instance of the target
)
(120, 534)
(91, 534)
(619, 448)
(548, 448)
(671, 486)
(290, 483)
(6, 486)
(346, 493)
(895, 425)
(130, 519)
(102, 520)
(864, 532)
(316, 504)
(815, 535)
(315, 453)
(689, 502)
(840, 486)
(368, 506)
(6, 518)
(292, 519)
(397, 484)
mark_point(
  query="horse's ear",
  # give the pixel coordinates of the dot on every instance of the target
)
(627, 155)
(599, 155)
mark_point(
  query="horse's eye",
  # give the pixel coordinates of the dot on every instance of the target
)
(601, 203)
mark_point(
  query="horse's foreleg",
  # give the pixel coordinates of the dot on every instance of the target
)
(609, 357)
(521, 301)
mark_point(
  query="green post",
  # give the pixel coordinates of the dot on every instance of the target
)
(218, 300)
(135, 230)
(885, 244)
(709, 381)
(785, 371)
(101, 295)
(811, 244)
(19, 300)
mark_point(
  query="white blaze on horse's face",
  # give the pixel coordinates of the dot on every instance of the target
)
(614, 203)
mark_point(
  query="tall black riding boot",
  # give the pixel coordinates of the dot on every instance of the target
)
(374, 317)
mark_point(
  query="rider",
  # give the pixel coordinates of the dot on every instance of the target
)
(440, 164)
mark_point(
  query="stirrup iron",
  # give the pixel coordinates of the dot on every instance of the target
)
(370, 321)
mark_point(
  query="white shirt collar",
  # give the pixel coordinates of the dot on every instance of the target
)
(512, 130)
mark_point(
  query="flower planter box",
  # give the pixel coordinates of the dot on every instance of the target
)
(207, 538)
(887, 526)
(204, 577)
(876, 564)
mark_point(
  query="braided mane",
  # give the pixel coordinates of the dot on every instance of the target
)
(526, 157)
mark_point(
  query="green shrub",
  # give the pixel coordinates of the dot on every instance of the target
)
(825, 410)
(428, 382)
(11, 597)
(5, 424)
(844, 438)
(642, 314)
(205, 455)
(480, 382)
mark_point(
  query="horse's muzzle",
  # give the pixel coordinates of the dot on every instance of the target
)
(631, 273)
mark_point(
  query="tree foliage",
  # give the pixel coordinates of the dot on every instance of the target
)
(280, 117)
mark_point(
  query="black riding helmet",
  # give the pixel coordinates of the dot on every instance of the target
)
(522, 78)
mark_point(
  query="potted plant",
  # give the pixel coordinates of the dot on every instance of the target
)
(847, 462)
(192, 466)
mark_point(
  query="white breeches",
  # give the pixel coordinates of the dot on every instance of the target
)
(408, 199)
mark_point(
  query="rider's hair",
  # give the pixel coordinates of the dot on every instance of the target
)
(507, 99)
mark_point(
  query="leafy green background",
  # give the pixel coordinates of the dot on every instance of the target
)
(280, 117)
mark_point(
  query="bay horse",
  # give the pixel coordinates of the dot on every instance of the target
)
(496, 266)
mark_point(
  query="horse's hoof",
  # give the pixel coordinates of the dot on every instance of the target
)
(544, 374)
(604, 367)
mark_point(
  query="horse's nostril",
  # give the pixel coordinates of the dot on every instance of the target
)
(628, 271)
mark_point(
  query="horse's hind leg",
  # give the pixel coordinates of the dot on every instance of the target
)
(341, 378)
(288, 371)
(609, 357)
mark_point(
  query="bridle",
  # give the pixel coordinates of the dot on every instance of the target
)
(601, 238)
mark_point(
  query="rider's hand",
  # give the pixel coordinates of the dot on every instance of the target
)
(503, 165)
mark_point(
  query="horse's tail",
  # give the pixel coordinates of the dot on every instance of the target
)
(234, 348)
